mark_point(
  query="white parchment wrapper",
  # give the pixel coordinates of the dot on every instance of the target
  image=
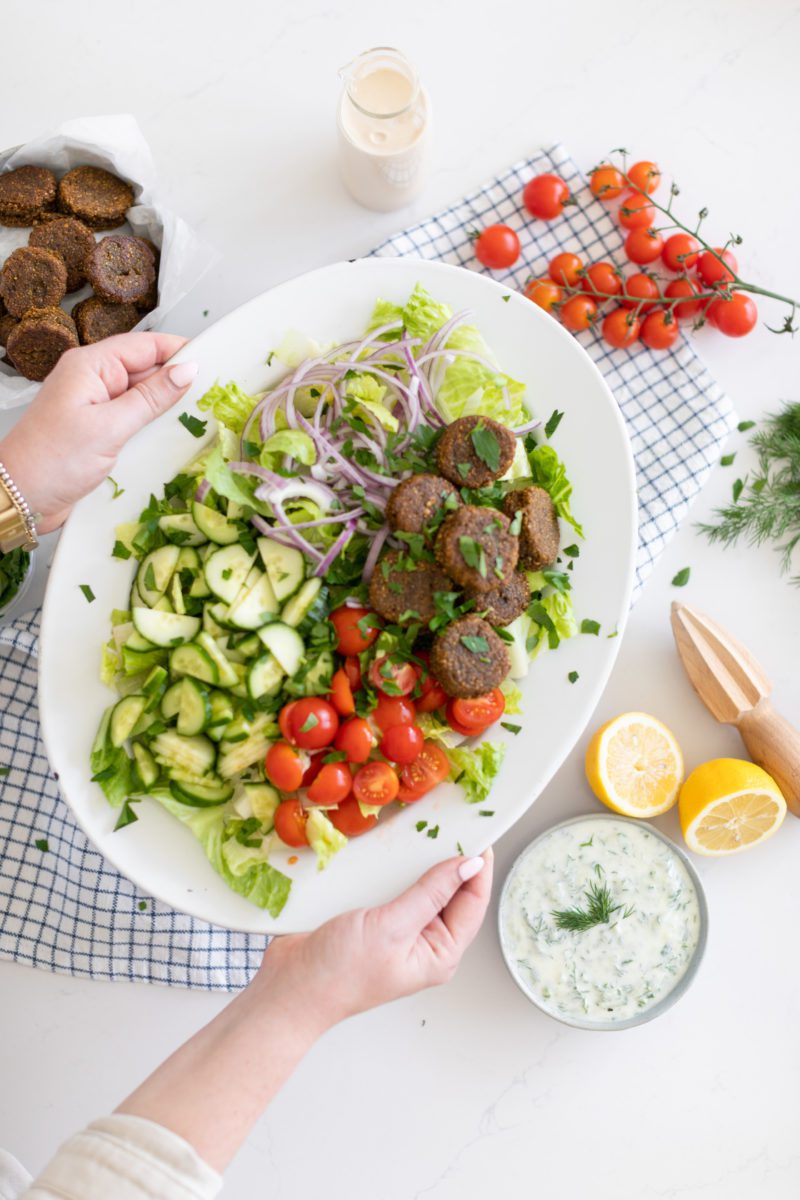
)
(116, 143)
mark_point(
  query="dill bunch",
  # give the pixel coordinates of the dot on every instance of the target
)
(767, 509)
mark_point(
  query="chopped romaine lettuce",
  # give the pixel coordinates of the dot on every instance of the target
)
(296, 347)
(111, 767)
(437, 730)
(513, 697)
(549, 472)
(294, 442)
(323, 837)
(477, 769)
(229, 404)
(110, 663)
(368, 394)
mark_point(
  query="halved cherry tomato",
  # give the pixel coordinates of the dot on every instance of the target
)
(402, 743)
(681, 252)
(332, 785)
(393, 679)
(606, 183)
(290, 823)
(659, 330)
(497, 247)
(578, 313)
(356, 629)
(640, 287)
(643, 246)
(352, 669)
(342, 694)
(349, 819)
(734, 317)
(356, 739)
(712, 271)
(480, 712)
(621, 328)
(285, 766)
(312, 722)
(544, 293)
(376, 783)
(636, 212)
(601, 281)
(313, 769)
(283, 721)
(644, 175)
(427, 770)
(433, 696)
(393, 710)
(544, 196)
(684, 287)
(566, 269)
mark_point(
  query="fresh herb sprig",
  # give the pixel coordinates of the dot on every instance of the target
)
(598, 911)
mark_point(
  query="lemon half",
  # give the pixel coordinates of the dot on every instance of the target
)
(728, 805)
(635, 765)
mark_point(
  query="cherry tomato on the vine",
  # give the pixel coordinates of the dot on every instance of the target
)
(636, 212)
(621, 328)
(735, 317)
(545, 293)
(290, 823)
(606, 182)
(578, 313)
(332, 785)
(285, 766)
(659, 330)
(356, 629)
(312, 722)
(393, 710)
(356, 739)
(544, 196)
(712, 271)
(566, 269)
(342, 694)
(643, 246)
(601, 281)
(349, 820)
(376, 783)
(688, 288)
(681, 252)
(638, 289)
(394, 679)
(402, 743)
(645, 175)
(429, 768)
(497, 247)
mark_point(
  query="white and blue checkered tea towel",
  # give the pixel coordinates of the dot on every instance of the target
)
(62, 906)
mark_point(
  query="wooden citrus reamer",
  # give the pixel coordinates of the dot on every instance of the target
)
(735, 690)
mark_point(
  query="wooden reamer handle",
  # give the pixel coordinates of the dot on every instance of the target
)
(775, 745)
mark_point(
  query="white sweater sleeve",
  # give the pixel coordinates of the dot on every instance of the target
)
(128, 1158)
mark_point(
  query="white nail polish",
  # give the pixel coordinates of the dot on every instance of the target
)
(183, 373)
(470, 868)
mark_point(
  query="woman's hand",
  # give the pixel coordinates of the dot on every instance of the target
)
(370, 956)
(95, 399)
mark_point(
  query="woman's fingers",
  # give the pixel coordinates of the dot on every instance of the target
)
(153, 395)
(94, 374)
(434, 891)
(464, 914)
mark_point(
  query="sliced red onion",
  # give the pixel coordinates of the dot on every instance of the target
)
(336, 549)
(527, 427)
(203, 488)
(249, 468)
(333, 519)
(374, 553)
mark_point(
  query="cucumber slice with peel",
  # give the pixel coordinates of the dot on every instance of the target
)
(194, 711)
(124, 717)
(155, 571)
(285, 644)
(265, 677)
(256, 607)
(284, 565)
(181, 530)
(214, 525)
(193, 755)
(199, 795)
(171, 701)
(165, 628)
(299, 606)
(226, 571)
(228, 677)
(146, 765)
(194, 661)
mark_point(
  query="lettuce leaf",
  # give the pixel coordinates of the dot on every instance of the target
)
(437, 730)
(110, 663)
(552, 621)
(368, 394)
(111, 766)
(323, 837)
(513, 697)
(476, 770)
(549, 472)
(229, 404)
(239, 488)
(294, 442)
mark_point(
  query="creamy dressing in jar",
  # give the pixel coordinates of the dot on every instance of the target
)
(597, 970)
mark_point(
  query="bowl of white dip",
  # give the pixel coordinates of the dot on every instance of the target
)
(603, 922)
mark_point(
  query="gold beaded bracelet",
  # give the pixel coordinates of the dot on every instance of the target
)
(17, 522)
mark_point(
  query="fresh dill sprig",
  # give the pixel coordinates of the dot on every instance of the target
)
(768, 508)
(598, 911)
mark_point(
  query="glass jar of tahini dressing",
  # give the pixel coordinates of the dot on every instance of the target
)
(600, 973)
(384, 126)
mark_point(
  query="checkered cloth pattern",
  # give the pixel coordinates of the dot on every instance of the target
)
(677, 416)
(62, 906)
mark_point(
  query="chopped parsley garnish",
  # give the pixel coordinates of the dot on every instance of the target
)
(311, 722)
(410, 614)
(506, 298)
(558, 580)
(682, 578)
(433, 832)
(420, 825)
(127, 816)
(727, 460)
(738, 488)
(516, 523)
(269, 358)
(463, 469)
(459, 848)
(334, 756)
(743, 426)
(117, 489)
(473, 554)
(589, 626)
(477, 645)
(511, 727)
(42, 844)
(573, 677)
(195, 426)
(553, 423)
(142, 906)
(571, 551)
(120, 550)
(150, 578)
(5, 771)
(486, 446)
(485, 812)
(226, 574)
(88, 593)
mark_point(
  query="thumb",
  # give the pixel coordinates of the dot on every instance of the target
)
(149, 398)
(418, 905)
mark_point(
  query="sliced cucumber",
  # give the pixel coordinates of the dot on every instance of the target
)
(211, 621)
(181, 529)
(240, 687)
(195, 661)
(124, 716)
(297, 609)
(163, 605)
(319, 675)
(171, 701)
(227, 676)
(165, 628)
(285, 644)
(238, 756)
(256, 607)
(232, 655)
(193, 755)
(194, 712)
(264, 800)
(155, 571)
(136, 600)
(265, 677)
(135, 641)
(284, 565)
(136, 661)
(176, 594)
(248, 646)
(189, 560)
(221, 715)
(154, 682)
(214, 525)
(226, 571)
(146, 765)
(198, 795)
(235, 511)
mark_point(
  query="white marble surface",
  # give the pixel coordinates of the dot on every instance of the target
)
(469, 1091)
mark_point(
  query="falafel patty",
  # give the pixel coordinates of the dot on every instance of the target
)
(121, 269)
(503, 604)
(32, 278)
(98, 198)
(469, 659)
(24, 193)
(404, 588)
(7, 323)
(539, 534)
(420, 503)
(37, 342)
(71, 240)
(97, 319)
(475, 548)
(474, 451)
